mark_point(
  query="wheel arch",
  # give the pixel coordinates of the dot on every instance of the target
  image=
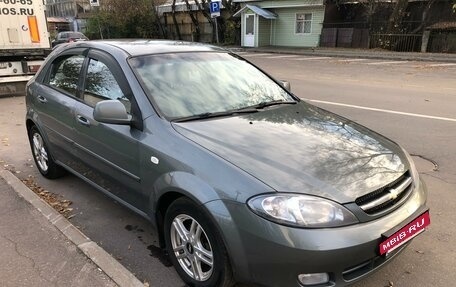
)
(29, 123)
(174, 185)
(168, 198)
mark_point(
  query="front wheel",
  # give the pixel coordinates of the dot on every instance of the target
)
(43, 160)
(195, 247)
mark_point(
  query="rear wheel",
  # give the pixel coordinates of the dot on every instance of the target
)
(43, 160)
(195, 247)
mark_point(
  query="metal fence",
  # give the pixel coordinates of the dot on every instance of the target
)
(442, 41)
(345, 38)
(396, 42)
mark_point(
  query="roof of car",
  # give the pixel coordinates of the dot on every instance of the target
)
(146, 46)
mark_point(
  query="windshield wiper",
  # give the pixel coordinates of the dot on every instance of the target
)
(215, 114)
(272, 103)
(245, 110)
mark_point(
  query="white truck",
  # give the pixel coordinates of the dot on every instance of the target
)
(24, 43)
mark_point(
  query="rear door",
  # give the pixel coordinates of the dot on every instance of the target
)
(109, 153)
(54, 101)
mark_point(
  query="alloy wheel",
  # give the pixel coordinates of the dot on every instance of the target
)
(192, 247)
(39, 152)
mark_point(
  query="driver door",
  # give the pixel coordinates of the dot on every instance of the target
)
(109, 153)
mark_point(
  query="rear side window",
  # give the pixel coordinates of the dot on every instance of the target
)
(65, 72)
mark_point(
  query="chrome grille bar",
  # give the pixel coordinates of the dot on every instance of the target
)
(390, 194)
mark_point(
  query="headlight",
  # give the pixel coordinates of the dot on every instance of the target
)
(413, 171)
(301, 210)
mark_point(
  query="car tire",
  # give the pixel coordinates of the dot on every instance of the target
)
(195, 247)
(43, 159)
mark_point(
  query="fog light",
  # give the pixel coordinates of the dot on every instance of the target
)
(313, 278)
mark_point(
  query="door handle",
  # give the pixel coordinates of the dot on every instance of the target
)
(83, 121)
(41, 99)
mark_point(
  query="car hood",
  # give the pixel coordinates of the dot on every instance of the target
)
(304, 149)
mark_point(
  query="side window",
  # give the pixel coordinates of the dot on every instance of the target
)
(101, 85)
(65, 72)
(303, 23)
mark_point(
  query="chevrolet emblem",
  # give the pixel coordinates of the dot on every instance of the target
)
(393, 194)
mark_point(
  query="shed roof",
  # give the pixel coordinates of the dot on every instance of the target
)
(257, 10)
(442, 26)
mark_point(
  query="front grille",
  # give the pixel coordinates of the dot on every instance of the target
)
(386, 197)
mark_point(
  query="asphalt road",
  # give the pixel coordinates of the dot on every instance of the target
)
(414, 103)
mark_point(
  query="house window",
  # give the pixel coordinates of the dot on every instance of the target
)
(303, 23)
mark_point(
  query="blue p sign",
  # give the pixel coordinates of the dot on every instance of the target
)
(215, 8)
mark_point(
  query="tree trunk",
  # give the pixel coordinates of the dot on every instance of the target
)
(194, 21)
(424, 17)
(204, 7)
(394, 22)
(176, 25)
(160, 26)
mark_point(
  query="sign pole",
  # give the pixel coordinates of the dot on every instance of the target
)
(216, 30)
(214, 8)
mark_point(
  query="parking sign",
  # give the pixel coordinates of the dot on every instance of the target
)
(215, 8)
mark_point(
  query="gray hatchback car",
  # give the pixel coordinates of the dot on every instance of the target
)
(243, 181)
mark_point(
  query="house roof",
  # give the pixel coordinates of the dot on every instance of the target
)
(57, 20)
(442, 26)
(257, 10)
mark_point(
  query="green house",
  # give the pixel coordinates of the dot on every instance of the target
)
(294, 23)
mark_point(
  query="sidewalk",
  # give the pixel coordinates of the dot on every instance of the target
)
(353, 53)
(39, 247)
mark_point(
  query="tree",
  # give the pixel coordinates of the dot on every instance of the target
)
(371, 7)
(394, 21)
(424, 17)
(203, 6)
(176, 25)
(195, 22)
(227, 26)
(125, 19)
(230, 27)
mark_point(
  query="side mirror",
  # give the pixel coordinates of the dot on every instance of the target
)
(111, 112)
(286, 85)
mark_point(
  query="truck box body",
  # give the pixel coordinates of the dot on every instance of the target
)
(24, 42)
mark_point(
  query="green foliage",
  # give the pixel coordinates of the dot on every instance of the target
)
(231, 32)
(123, 19)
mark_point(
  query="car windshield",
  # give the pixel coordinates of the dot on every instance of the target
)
(188, 84)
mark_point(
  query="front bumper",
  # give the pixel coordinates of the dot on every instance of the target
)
(270, 254)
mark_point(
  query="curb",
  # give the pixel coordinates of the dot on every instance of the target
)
(116, 271)
(405, 56)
